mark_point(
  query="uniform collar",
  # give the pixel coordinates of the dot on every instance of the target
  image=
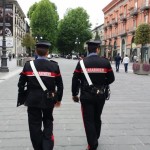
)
(42, 57)
(92, 54)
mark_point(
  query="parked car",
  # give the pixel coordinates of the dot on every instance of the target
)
(74, 57)
(49, 56)
(55, 55)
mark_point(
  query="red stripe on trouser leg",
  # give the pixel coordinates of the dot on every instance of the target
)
(52, 137)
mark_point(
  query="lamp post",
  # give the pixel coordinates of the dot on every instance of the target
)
(38, 38)
(77, 42)
(4, 67)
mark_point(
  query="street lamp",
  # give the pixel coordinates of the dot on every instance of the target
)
(38, 38)
(4, 67)
(77, 42)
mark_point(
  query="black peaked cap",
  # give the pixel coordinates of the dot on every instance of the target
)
(93, 42)
(43, 44)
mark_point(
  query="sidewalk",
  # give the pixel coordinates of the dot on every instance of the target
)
(13, 70)
(126, 119)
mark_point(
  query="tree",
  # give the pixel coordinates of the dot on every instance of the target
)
(28, 42)
(75, 24)
(44, 20)
(142, 36)
(31, 10)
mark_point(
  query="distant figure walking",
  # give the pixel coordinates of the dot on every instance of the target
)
(117, 62)
(135, 58)
(13, 55)
(9, 55)
(126, 62)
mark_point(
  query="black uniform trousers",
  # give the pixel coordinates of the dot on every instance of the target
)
(41, 139)
(91, 113)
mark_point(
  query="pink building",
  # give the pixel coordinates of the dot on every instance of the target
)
(122, 17)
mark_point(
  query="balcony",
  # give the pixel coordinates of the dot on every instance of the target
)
(109, 25)
(145, 6)
(114, 35)
(109, 37)
(134, 12)
(132, 30)
(123, 18)
(123, 33)
(105, 27)
(115, 22)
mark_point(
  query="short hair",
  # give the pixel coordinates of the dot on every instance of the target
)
(92, 48)
(93, 45)
(42, 47)
(41, 51)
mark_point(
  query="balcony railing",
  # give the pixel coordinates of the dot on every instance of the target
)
(114, 35)
(115, 21)
(106, 37)
(123, 33)
(145, 6)
(109, 37)
(123, 18)
(109, 25)
(132, 30)
(134, 12)
(105, 27)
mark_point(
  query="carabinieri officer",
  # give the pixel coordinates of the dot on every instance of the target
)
(39, 113)
(101, 74)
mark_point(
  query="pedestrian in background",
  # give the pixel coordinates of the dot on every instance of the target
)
(40, 111)
(117, 62)
(126, 62)
(10, 56)
(101, 74)
(13, 55)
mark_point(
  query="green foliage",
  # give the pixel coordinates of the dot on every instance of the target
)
(75, 24)
(28, 42)
(31, 10)
(142, 35)
(44, 21)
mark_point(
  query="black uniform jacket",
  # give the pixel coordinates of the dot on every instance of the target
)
(100, 72)
(51, 77)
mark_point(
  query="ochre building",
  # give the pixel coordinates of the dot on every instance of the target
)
(121, 18)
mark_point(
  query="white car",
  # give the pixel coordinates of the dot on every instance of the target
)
(49, 56)
(74, 57)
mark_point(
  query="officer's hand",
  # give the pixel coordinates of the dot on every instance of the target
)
(58, 104)
(75, 99)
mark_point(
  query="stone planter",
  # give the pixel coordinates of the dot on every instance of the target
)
(141, 69)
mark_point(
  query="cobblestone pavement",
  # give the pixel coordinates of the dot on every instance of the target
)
(126, 119)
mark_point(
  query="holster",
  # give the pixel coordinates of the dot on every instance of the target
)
(96, 90)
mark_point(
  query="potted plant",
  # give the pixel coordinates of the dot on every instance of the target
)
(142, 36)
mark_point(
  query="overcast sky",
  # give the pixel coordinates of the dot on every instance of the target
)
(93, 8)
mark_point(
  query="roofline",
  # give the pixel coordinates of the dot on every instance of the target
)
(97, 27)
(17, 4)
(110, 5)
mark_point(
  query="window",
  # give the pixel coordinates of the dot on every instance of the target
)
(136, 6)
(146, 2)
(146, 18)
(134, 23)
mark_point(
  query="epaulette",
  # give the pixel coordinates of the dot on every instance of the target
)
(54, 61)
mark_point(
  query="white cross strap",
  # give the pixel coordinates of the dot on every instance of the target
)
(85, 73)
(37, 76)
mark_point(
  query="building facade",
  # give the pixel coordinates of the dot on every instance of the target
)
(121, 18)
(98, 33)
(15, 27)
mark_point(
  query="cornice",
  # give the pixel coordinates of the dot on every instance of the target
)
(111, 5)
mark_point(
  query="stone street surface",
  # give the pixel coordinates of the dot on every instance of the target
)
(126, 116)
